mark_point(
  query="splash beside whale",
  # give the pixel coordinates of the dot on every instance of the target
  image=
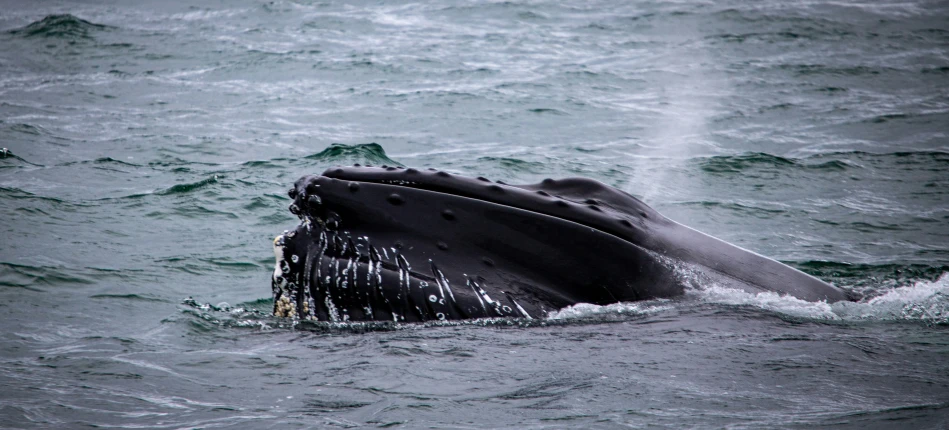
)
(405, 245)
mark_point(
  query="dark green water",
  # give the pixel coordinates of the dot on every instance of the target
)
(150, 146)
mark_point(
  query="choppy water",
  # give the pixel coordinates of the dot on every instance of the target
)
(150, 146)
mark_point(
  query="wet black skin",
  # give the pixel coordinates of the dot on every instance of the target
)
(389, 243)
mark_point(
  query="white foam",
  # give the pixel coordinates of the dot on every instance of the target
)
(923, 301)
(767, 300)
(584, 310)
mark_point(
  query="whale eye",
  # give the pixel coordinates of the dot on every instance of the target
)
(292, 193)
(448, 215)
(442, 245)
(543, 193)
(354, 186)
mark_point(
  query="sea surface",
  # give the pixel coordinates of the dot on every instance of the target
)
(148, 147)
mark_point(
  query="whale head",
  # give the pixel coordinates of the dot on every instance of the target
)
(397, 244)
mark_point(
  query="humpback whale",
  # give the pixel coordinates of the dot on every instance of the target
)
(407, 245)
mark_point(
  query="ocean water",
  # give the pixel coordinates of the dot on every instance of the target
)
(149, 146)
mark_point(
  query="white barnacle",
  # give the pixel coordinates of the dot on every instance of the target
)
(331, 309)
(432, 298)
(285, 308)
(294, 258)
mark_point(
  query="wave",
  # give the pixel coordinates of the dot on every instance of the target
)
(10, 159)
(337, 153)
(510, 164)
(831, 161)
(189, 187)
(757, 160)
(63, 26)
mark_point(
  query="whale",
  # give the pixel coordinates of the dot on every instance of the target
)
(398, 244)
